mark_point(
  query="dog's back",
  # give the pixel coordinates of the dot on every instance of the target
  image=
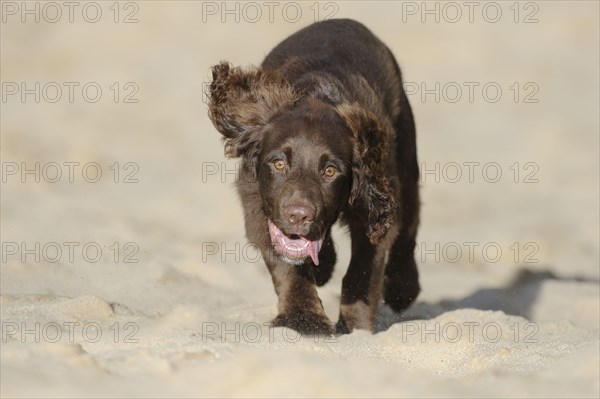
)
(344, 49)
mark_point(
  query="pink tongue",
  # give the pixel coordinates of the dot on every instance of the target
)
(313, 250)
(278, 238)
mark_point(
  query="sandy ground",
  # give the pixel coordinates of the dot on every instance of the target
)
(138, 282)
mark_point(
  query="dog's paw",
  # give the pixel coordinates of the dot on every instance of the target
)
(357, 315)
(305, 322)
(341, 327)
(400, 293)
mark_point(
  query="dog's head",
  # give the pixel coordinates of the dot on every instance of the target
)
(313, 156)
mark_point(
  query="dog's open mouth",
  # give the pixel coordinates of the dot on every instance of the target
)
(294, 248)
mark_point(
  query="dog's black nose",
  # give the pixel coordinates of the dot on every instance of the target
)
(296, 215)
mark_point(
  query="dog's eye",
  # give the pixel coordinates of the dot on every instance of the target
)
(279, 164)
(330, 171)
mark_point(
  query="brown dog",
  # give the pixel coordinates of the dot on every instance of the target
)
(325, 132)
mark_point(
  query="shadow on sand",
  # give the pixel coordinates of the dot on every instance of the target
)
(517, 298)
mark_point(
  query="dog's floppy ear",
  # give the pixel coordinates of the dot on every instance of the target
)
(241, 101)
(371, 188)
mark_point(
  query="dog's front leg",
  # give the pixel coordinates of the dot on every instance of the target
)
(362, 284)
(295, 285)
(299, 305)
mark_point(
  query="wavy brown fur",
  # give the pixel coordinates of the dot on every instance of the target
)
(328, 98)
